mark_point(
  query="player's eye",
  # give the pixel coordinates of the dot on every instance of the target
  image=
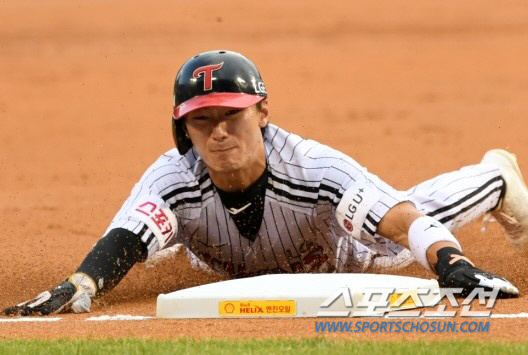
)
(232, 112)
(200, 118)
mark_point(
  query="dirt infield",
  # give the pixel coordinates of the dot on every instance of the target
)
(410, 89)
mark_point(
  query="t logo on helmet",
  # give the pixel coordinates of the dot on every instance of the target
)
(207, 71)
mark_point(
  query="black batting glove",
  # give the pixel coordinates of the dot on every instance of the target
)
(454, 270)
(48, 302)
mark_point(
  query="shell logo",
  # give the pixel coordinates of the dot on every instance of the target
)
(229, 308)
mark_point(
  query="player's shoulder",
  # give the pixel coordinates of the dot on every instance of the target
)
(171, 160)
(306, 159)
(172, 168)
(285, 146)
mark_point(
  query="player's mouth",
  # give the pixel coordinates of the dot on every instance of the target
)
(221, 150)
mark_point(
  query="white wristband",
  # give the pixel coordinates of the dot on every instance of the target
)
(81, 302)
(424, 232)
(85, 282)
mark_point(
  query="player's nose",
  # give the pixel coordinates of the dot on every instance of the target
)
(219, 131)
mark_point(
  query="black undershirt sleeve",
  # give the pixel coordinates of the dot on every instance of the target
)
(112, 257)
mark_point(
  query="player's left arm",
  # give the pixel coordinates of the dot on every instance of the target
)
(435, 247)
(369, 206)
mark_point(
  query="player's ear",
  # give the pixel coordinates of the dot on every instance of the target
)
(184, 127)
(264, 113)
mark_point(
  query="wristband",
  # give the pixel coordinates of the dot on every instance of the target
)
(424, 232)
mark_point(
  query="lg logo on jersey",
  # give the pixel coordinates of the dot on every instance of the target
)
(352, 209)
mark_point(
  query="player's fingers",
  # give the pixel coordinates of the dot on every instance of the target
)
(41, 310)
(474, 278)
(491, 281)
(17, 309)
(28, 311)
(12, 311)
(50, 307)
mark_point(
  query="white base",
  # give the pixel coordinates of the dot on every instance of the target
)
(302, 293)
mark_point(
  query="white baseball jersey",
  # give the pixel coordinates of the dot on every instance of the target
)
(176, 200)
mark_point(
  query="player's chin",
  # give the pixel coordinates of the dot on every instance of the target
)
(225, 164)
(227, 167)
(226, 158)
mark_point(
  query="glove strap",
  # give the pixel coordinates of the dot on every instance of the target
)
(450, 259)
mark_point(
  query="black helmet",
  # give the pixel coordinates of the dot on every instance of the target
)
(216, 78)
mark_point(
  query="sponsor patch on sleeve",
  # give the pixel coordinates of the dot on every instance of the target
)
(158, 217)
(355, 204)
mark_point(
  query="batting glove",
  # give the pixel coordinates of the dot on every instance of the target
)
(454, 270)
(72, 295)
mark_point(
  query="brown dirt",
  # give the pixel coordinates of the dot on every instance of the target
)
(409, 88)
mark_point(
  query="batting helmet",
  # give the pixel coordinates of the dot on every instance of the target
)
(215, 78)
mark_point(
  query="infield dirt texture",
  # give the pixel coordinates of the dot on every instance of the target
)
(410, 89)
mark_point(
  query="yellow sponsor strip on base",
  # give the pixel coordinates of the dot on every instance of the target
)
(408, 303)
(257, 308)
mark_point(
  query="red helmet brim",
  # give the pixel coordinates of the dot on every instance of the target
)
(222, 99)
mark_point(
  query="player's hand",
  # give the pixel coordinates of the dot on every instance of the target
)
(456, 271)
(65, 297)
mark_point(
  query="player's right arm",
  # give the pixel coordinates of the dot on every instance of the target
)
(144, 225)
(109, 261)
(101, 270)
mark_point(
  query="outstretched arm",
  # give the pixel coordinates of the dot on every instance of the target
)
(433, 246)
(112, 257)
(101, 270)
(395, 225)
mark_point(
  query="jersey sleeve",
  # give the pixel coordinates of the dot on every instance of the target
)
(360, 198)
(146, 213)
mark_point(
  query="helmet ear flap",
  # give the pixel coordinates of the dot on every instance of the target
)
(183, 143)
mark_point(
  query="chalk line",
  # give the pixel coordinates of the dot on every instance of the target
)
(118, 317)
(513, 315)
(25, 319)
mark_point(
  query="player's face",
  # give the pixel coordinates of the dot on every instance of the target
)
(228, 139)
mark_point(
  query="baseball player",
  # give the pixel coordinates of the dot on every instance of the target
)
(246, 197)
